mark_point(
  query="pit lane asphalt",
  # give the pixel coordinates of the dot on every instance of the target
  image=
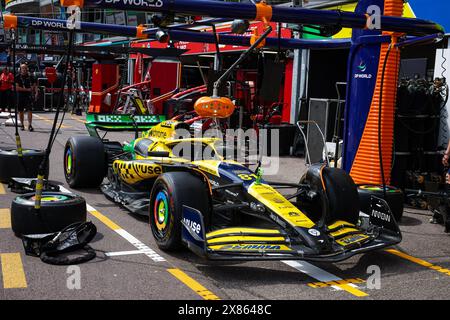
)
(137, 276)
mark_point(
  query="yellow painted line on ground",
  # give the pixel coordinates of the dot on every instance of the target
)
(321, 284)
(12, 269)
(418, 261)
(105, 220)
(50, 121)
(5, 219)
(193, 285)
(2, 189)
(352, 290)
(76, 119)
(325, 277)
(180, 275)
(177, 273)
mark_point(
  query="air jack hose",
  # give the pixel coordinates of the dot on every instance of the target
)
(380, 152)
(45, 161)
(16, 108)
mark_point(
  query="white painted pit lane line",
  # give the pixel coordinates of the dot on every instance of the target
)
(123, 253)
(191, 283)
(324, 276)
(143, 248)
(303, 266)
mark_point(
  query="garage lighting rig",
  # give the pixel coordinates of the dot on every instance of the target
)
(368, 52)
(373, 64)
(264, 12)
(176, 33)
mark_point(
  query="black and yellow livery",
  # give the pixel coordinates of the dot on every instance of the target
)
(220, 209)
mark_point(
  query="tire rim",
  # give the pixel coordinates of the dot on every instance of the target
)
(52, 198)
(161, 211)
(377, 188)
(68, 161)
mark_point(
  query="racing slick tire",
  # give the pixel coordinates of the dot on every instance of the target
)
(340, 190)
(342, 194)
(58, 210)
(11, 166)
(84, 162)
(170, 192)
(394, 198)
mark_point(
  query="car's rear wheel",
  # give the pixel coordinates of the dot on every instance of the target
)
(170, 192)
(84, 162)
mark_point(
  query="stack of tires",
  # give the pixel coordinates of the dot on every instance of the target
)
(13, 166)
(84, 166)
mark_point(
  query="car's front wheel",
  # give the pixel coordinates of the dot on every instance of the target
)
(170, 192)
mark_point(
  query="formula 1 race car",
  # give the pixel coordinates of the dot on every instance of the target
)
(221, 209)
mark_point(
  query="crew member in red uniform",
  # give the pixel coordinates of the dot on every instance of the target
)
(6, 84)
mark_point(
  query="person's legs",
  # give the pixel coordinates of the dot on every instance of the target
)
(21, 120)
(30, 119)
(20, 109)
(2, 101)
(10, 101)
(30, 114)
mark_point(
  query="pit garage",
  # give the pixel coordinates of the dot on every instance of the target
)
(227, 151)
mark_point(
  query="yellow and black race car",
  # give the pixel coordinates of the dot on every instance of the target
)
(222, 210)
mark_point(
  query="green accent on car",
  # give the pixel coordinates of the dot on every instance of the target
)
(129, 147)
(259, 174)
(120, 122)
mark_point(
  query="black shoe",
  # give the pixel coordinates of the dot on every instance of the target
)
(30, 128)
(22, 128)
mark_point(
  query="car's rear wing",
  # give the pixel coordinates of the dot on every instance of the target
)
(120, 122)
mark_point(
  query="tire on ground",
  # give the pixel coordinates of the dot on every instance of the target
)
(170, 192)
(11, 166)
(394, 198)
(58, 210)
(84, 162)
